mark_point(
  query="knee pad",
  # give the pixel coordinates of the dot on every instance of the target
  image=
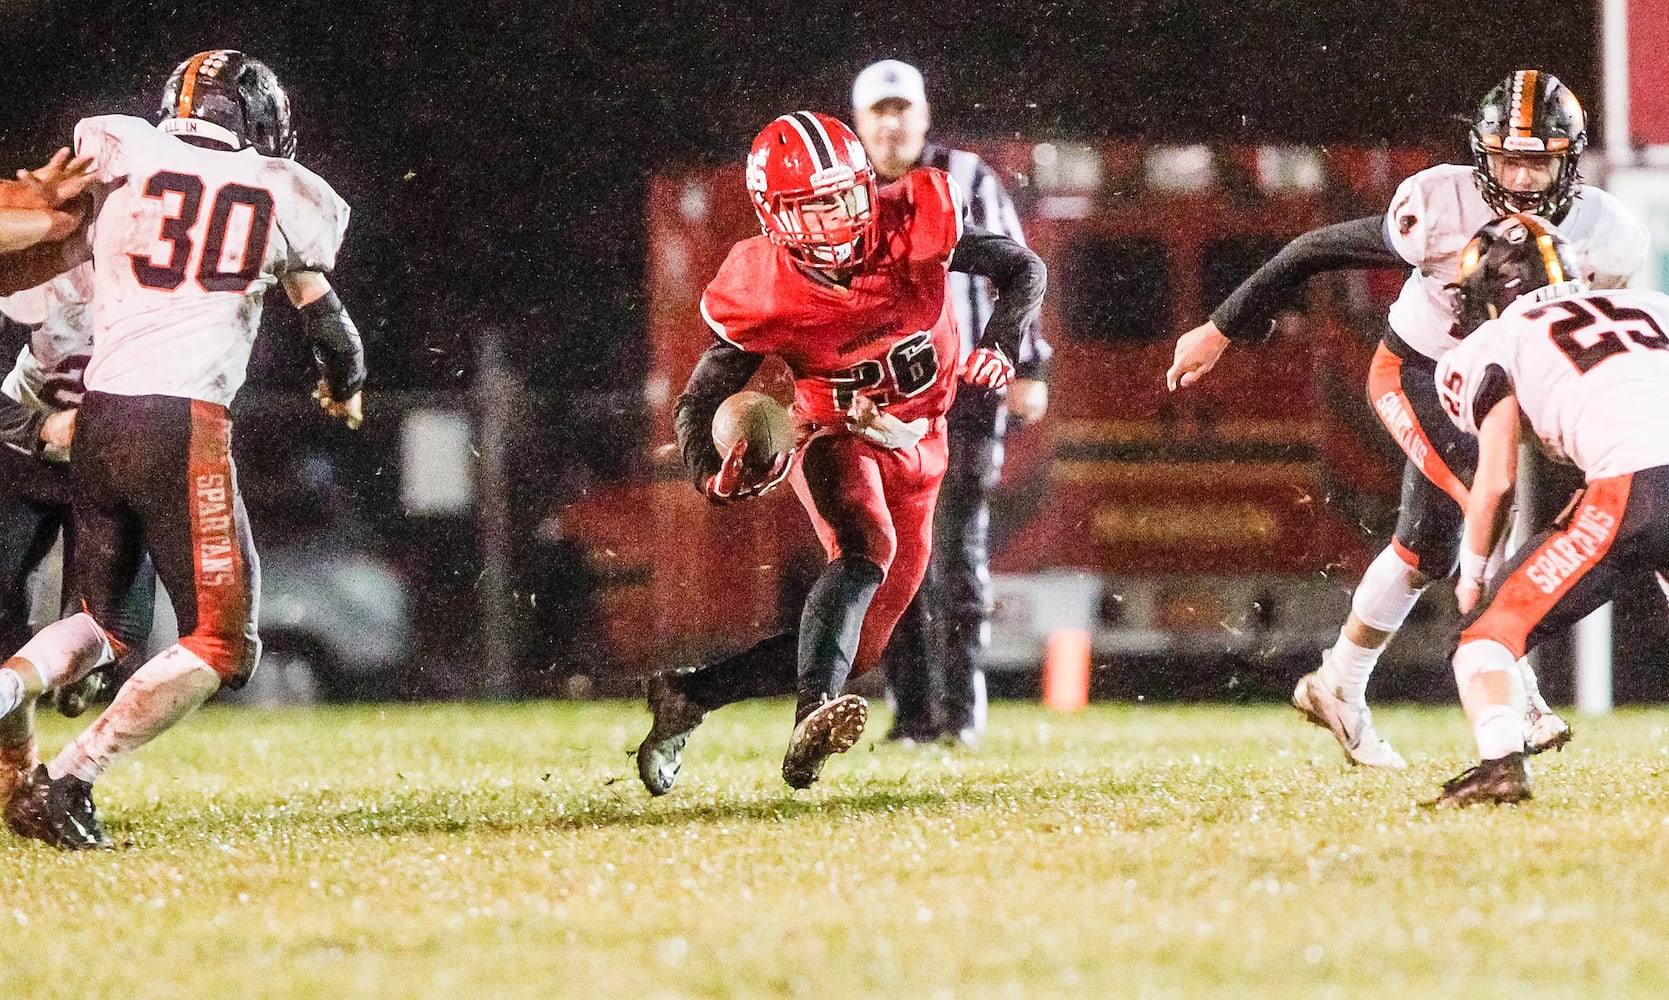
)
(1482, 656)
(68, 650)
(1388, 591)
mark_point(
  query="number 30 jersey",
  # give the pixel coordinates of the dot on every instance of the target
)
(186, 244)
(1591, 373)
(891, 335)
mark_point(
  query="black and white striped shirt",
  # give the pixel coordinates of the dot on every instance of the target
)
(987, 205)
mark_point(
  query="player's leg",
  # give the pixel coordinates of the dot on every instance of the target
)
(199, 540)
(1425, 547)
(777, 665)
(679, 701)
(912, 662)
(842, 485)
(1335, 696)
(26, 534)
(1558, 579)
(961, 557)
(64, 651)
(54, 808)
(197, 532)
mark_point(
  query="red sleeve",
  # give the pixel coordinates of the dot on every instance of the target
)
(738, 303)
(936, 206)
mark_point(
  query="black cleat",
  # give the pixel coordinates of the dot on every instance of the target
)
(661, 754)
(1504, 781)
(833, 727)
(72, 699)
(911, 735)
(58, 812)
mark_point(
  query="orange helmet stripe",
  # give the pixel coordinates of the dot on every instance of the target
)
(1524, 112)
(1544, 244)
(188, 84)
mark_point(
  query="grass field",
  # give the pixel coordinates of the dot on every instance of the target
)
(508, 850)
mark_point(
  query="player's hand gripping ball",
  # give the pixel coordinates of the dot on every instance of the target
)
(755, 436)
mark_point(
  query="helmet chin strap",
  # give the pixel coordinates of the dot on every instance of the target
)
(198, 128)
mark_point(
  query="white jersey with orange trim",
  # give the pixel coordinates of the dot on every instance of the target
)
(185, 246)
(1435, 212)
(49, 369)
(1590, 370)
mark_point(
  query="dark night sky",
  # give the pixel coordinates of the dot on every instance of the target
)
(495, 153)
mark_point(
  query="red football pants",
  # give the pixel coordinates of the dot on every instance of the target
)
(876, 504)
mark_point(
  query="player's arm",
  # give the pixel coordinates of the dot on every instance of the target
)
(20, 426)
(42, 262)
(1028, 395)
(337, 350)
(1020, 279)
(1248, 311)
(38, 206)
(1488, 505)
(724, 369)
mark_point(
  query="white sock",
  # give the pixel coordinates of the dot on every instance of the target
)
(1348, 668)
(1532, 689)
(1499, 731)
(1388, 592)
(67, 650)
(159, 694)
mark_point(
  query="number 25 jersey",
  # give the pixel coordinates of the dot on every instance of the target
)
(1591, 373)
(186, 244)
(891, 335)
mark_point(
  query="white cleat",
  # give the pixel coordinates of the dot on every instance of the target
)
(1351, 725)
(1544, 730)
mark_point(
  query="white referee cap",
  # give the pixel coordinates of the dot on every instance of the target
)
(886, 79)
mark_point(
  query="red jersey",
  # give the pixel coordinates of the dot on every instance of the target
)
(891, 335)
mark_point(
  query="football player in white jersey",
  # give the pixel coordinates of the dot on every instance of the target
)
(199, 217)
(1586, 372)
(38, 400)
(1526, 141)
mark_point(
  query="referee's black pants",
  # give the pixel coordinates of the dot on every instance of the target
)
(932, 661)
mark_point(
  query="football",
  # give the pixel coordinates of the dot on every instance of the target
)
(758, 419)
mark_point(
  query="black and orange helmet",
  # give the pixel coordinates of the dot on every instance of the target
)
(1510, 257)
(225, 96)
(1529, 114)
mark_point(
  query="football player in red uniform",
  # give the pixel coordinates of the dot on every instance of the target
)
(847, 286)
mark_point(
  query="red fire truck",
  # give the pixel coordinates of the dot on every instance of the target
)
(1231, 518)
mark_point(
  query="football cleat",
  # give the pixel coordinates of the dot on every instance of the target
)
(661, 753)
(1351, 725)
(72, 700)
(16, 764)
(58, 812)
(832, 727)
(1505, 780)
(1545, 731)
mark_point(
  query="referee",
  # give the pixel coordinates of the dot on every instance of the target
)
(931, 663)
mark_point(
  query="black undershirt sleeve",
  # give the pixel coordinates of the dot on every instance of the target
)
(1017, 275)
(20, 426)
(724, 369)
(1360, 243)
(337, 349)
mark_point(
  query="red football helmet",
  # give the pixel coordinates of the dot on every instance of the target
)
(814, 190)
